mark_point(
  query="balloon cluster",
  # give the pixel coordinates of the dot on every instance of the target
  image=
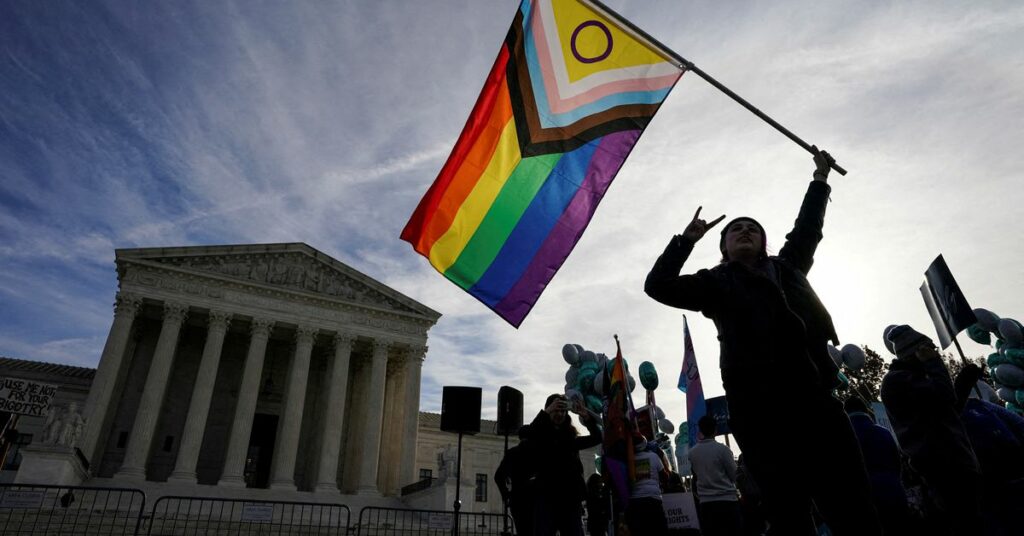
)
(1007, 363)
(585, 379)
(851, 355)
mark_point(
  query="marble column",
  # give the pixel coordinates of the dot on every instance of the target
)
(374, 420)
(333, 414)
(141, 439)
(97, 405)
(202, 392)
(391, 433)
(411, 414)
(245, 408)
(282, 475)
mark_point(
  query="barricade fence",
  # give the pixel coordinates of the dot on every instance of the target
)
(198, 516)
(374, 521)
(30, 509)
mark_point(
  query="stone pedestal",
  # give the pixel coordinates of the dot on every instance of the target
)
(55, 465)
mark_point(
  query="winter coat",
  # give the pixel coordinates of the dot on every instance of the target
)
(882, 460)
(555, 455)
(768, 318)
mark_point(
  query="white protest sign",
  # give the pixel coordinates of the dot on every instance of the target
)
(438, 520)
(680, 511)
(26, 397)
(22, 499)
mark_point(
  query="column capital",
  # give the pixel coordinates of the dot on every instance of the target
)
(416, 353)
(175, 311)
(261, 327)
(396, 364)
(382, 345)
(305, 334)
(341, 339)
(127, 304)
(219, 319)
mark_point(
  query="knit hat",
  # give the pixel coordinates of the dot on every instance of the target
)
(905, 341)
(764, 236)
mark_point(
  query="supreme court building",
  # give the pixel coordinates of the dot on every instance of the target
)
(267, 366)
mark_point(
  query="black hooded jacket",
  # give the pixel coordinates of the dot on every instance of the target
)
(767, 318)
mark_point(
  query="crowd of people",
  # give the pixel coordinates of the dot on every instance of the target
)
(953, 463)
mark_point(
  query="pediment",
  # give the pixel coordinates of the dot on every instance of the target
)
(294, 267)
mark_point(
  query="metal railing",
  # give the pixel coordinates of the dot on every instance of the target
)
(374, 521)
(69, 510)
(187, 516)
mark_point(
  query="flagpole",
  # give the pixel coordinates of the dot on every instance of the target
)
(688, 65)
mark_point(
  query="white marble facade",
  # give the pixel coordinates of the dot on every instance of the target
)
(271, 366)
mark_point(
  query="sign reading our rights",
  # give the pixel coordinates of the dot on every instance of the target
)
(26, 397)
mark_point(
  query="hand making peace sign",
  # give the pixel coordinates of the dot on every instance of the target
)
(696, 229)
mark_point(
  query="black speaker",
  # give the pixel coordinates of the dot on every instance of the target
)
(510, 410)
(460, 409)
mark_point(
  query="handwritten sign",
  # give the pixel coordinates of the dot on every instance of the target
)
(680, 511)
(26, 397)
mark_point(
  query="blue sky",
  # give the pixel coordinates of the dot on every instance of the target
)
(183, 123)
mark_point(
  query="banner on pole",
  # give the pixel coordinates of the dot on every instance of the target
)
(946, 303)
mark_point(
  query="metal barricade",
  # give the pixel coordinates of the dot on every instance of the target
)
(374, 521)
(69, 510)
(199, 516)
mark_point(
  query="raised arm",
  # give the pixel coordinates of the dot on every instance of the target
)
(695, 292)
(803, 240)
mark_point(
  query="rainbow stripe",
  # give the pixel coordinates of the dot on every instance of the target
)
(565, 102)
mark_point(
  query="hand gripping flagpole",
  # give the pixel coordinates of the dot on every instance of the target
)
(689, 66)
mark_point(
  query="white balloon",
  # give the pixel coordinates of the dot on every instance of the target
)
(885, 339)
(570, 354)
(666, 426)
(579, 349)
(659, 413)
(988, 320)
(588, 357)
(1010, 330)
(571, 375)
(631, 382)
(854, 356)
(1006, 394)
(836, 354)
(602, 359)
(573, 394)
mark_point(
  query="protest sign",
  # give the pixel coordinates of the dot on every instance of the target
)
(680, 511)
(26, 397)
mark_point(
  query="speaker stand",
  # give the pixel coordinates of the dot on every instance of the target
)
(458, 486)
(503, 501)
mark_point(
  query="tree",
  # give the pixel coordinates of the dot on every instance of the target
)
(867, 381)
(954, 364)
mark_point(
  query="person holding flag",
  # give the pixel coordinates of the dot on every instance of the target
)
(773, 331)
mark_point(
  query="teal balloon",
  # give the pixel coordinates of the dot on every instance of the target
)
(995, 359)
(585, 380)
(594, 403)
(589, 365)
(843, 379)
(1019, 397)
(979, 335)
(1014, 408)
(648, 376)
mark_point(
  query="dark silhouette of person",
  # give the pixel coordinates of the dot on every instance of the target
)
(923, 409)
(597, 506)
(884, 463)
(515, 479)
(554, 449)
(714, 476)
(773, 331)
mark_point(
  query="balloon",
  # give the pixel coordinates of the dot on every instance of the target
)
(599, 383)
(1009, 375)
(1020, 397)
(1006, 394)
(586, 379)
(854, 356)
(589, 365)
(631, 382)
(588, 357)
(978, 334)
(1011, 332)
(1014, 408)
(995, 359)
(1014, 355)
(573, 394)
(666, 426)
(987, 320)
(843, 379)
(570, 355)
(835, 354)
(648, 376)
(886, 341)
(595, 404)
(659, 413)
(602, 359)
(571, 375)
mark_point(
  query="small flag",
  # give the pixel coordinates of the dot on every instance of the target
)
(566, 100)
(618, 429)
(689, 383)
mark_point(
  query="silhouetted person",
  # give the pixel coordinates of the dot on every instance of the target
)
(645, 513)
(714, 475)
(773, 332)
(751, 504)
(597, 506)
(923, 409)
(883, 461)
(554, 448)
(517, 470)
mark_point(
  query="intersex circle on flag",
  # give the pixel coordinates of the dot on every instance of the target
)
(607, 35)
